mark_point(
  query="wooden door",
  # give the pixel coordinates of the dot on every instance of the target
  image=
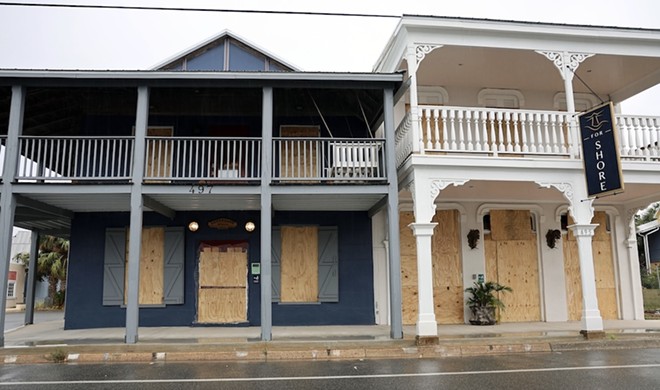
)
(299, 159)
(159, 154)
(222, 293)
(512, 260)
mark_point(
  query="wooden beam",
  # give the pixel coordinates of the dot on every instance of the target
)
(158, 207)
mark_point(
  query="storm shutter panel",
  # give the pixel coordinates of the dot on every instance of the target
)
(174, 264)
(113, 267)
(275, 268)
(328, 265)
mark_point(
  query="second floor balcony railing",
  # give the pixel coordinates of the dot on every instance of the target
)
(516, 133)
(171, 160)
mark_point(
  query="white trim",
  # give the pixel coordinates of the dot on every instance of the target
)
(431, 95)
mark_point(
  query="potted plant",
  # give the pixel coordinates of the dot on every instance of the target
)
(483, 302)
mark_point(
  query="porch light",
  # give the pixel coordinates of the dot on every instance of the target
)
(193, 226)
(249, 226)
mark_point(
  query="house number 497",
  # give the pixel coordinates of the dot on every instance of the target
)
(202, 189)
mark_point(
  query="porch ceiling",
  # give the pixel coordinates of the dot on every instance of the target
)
(480, 67)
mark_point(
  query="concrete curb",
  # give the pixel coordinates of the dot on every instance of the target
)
(312, 351)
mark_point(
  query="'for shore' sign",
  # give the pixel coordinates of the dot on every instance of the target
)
(600, 151)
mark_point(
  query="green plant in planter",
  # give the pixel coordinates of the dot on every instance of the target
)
(484, 302)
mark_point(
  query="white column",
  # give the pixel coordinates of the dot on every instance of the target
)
(411, 59)
(591, 319)
(427, 326)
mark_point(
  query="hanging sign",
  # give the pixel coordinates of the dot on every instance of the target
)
(600, 151)
(222, 224)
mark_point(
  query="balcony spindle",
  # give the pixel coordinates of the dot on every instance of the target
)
(441, 129)
(524, 130)
(483, 120)
(452, 131)
(461, 130)
(516, 136)
(500, 133)
(507, 129)
(468, 129)
(553, 133)
(534, 132)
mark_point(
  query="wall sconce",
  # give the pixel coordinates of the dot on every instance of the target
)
(193, 226)
(249, 226)
(551, 237)
(473, 238)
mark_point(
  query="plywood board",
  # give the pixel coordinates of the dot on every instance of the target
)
(299, 158)
(511, 225)
(573, 279)
(517, 267)
(490, 252)
(152, 271)
(299, 264)
(447, 268)
(222, 305)
(604, 274)
(410, 304)
(159, 163)
(223, 268)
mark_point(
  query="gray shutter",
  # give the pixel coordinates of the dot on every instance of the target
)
(174, 266)
(328, 264)
(275, 267)
(113, 267)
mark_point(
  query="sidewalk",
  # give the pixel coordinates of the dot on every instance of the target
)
(47, 341)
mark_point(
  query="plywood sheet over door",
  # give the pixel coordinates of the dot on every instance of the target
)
(447, 268)
(222, 293)
(299, 264)
(159, 152)
(299, 158)
(151, 266)
(603, 270)
(512, 259)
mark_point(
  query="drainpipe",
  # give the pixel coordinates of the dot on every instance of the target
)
(647, 255)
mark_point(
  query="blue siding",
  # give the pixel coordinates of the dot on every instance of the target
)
(84, 307)
(211, 60)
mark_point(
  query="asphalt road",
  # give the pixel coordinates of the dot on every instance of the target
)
(15, 320)
(623, 369)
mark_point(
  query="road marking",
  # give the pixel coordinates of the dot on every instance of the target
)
(312, 378)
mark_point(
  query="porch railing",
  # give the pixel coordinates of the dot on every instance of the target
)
(639, 137)
(517, 133)
(174, 159)
(337, 160)
(61, 159)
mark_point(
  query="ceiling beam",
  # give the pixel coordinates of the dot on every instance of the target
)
(43, 207)
(158, 207)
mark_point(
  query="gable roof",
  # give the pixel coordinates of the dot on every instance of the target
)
(225, 35)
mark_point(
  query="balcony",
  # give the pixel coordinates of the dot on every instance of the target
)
(496, 133)
(185, 160)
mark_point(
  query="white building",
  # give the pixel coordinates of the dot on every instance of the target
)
(488, 143)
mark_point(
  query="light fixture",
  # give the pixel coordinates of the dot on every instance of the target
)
(193, 226)
(249, 226)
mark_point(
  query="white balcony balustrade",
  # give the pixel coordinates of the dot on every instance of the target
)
(515, 133)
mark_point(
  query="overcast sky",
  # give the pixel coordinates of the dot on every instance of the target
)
(66, 38)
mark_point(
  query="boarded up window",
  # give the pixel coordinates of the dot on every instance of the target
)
(161, 266)
(305, 264)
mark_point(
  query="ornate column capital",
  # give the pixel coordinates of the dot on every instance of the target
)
(583, 230)
(575, 208)
(422, 229)
(565, 60)
(565, 188)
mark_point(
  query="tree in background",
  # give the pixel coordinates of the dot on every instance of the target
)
(51, 266)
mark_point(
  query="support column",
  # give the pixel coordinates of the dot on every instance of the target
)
(592, 322)
(137, 206)
(427, 326)
(266, 216)
(396, 316)
(32, 278)
(411, 59)
(7, 200)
